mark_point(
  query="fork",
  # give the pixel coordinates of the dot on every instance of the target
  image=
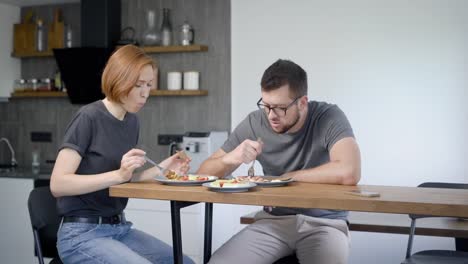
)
(251, 171)
(162, 170)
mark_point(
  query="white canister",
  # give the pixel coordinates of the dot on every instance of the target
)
(174, 80)
(191, 80)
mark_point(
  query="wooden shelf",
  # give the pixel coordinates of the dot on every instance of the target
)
(150, 49)
(45, 94)
(32, 54)
(38, 94)
(168, 49)
(178, 92)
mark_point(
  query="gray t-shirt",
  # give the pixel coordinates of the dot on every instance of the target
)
(307, 148)
(101, 140)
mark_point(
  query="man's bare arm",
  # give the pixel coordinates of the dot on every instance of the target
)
(344, 166)
(215, 165)
(221, 163)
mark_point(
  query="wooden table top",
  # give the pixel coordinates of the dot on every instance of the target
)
(393, 199)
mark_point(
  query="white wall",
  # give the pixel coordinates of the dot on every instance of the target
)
(9, 67)
(397, 68)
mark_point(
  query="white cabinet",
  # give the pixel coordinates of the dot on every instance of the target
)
(16, 240)
(154, 217)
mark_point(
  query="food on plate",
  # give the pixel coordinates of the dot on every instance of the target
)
(198, 178)
(230, 183)
(261, 179)
(254, 179)
(172, 175)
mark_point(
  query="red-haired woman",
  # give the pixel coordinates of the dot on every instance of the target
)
(99, 151)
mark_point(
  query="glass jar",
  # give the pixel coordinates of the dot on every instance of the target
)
(166, 28)
(33, 84)
(151, 35)
(27, 85)
(19, 85)
(45, 85)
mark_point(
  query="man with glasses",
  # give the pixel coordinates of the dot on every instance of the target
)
(308, 141)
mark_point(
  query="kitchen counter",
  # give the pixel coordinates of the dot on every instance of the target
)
(26, 173)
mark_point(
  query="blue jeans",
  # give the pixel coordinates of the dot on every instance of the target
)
(105, 243)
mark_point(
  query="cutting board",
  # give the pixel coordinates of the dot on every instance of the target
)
(56, 32)
(23, 35)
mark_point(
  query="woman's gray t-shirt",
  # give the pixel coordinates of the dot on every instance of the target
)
(307, 148)
(101, 140)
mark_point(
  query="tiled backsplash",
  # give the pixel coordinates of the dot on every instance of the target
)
(161, 115)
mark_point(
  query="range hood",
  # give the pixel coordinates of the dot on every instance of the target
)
(81, 68)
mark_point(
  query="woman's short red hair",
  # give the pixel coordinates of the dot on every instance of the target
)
(123, 70)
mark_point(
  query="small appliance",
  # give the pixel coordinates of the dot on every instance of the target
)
(200, 145)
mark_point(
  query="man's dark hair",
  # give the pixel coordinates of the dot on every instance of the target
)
(284, 72)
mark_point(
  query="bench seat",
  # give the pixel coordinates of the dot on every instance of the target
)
(398, 224)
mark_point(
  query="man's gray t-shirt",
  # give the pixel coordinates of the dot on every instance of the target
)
(307, 148)
(101, 140)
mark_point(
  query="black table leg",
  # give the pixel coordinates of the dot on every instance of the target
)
(208, 232)
(461, 244)
(176, 230)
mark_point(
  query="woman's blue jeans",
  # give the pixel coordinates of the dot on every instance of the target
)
(106, 243)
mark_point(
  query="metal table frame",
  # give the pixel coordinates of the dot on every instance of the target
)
(177, 230)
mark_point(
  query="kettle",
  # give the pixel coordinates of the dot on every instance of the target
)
(187, 34)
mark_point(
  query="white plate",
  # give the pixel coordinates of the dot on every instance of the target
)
(272, 183)
(230, 189)
(167, 181)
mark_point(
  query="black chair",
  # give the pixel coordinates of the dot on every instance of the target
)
(434, 256)
(45, 223)
(291, 259)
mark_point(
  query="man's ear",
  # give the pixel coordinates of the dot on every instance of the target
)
(303, 101)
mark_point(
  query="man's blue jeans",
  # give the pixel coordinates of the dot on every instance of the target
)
(105, 243)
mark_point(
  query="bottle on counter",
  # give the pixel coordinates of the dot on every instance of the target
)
(36, 160)
(68, 36)
(166, 28)
(41, 36)
(58, 81)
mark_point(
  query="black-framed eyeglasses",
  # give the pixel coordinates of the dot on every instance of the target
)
(279, 111)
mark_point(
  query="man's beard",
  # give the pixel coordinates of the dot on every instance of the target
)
(287, 127)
